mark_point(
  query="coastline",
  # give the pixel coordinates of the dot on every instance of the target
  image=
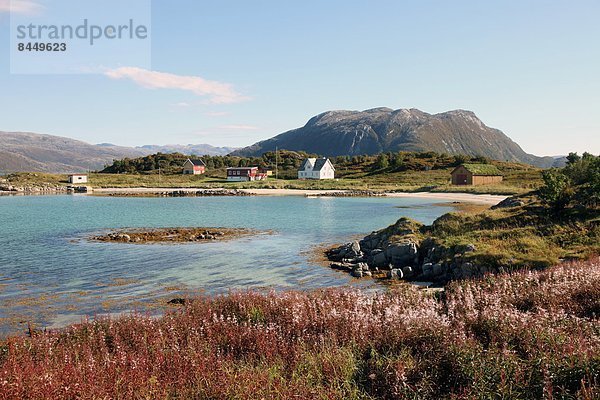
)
(490, 199)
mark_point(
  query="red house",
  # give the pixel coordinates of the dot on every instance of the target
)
(194, 167)
(239, 174)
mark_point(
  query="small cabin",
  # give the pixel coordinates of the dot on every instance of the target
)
(316, 168)
(476, 174)
(194, 167)
(78, 178)
(267, 171)
(240, 174)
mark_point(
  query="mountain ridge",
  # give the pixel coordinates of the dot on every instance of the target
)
(35, 152)
(382, 129)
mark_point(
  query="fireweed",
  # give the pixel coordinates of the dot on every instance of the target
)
(524, 335)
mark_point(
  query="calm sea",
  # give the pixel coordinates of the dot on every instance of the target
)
(51, 275)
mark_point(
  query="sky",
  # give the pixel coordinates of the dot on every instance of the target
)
(230, 73)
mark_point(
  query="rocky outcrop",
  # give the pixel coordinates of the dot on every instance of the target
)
(401, 252)
(182, 193)
(509, 203)
(173, 235)
(29, 189)
(349, 193)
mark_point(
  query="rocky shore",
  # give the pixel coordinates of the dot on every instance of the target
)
(349, 193)
(7, 187)
(401, 252)
(173, 235)
(181, 193)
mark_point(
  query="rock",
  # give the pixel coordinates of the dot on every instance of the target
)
(122, 237)
(395, 274)
(467, 270)
(353, 250)
(342, 266)
(363, 266)
(428, 269)
(437, 269)
(470, 248)
(380, 260)
(401, 253)
(407, 272)
(357, 273)
(367, 273)
(509, 202)
(177, 301)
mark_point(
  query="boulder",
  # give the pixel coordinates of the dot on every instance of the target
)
(468, 270)
(357, 273)
(437, 269)
(402, 253)
(363, 266)
(408, 272)
(395, 273)
(380, 260)
(470, 248)
(509, 202)
(428, 269)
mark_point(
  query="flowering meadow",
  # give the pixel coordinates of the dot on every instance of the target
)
(527, 335)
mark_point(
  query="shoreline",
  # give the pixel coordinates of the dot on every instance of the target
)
(488, 199)
(491, 199)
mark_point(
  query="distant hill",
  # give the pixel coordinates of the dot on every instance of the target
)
(25, 151)
(197, 149)
(377, 130)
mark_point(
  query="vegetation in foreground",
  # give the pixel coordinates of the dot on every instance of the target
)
(404, 171)
(527, 335)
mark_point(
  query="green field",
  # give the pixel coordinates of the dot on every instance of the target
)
(518, 178)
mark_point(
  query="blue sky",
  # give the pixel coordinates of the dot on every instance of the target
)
(230, 73)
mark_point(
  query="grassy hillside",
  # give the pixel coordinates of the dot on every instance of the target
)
(560, 221)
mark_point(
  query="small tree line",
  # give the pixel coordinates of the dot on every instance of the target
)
(577, 184)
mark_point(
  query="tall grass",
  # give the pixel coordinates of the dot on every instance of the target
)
(525, 335)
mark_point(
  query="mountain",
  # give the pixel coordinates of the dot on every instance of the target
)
(197, 149)
(25, 151)
(32, 152)
(378, 130)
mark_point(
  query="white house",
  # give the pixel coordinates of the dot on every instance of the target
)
(78, 178)
(316, 168)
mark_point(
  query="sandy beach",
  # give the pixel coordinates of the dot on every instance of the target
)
(461, 197)
(491, 199)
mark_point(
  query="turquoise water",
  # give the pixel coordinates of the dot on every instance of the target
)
(51, 275)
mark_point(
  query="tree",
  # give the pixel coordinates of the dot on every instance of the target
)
(382, 161)
(556, 190)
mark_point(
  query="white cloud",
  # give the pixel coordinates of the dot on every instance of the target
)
(20, 6)
(217, 92)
